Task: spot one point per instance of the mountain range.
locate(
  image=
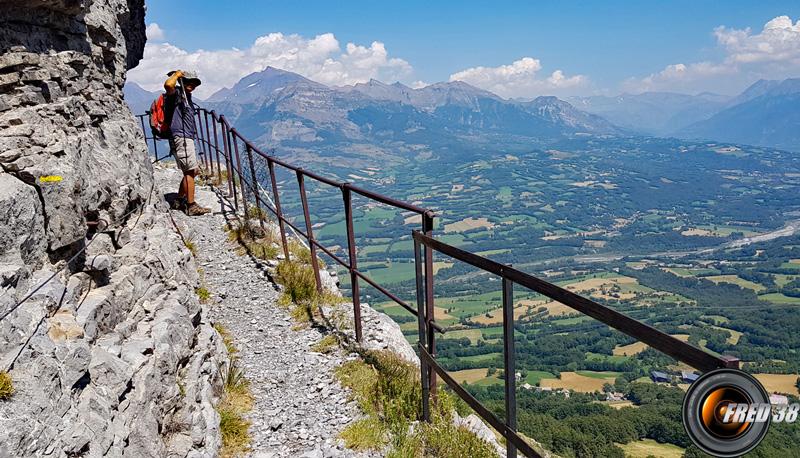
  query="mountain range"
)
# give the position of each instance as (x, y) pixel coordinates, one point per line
(281, 108)
(276, 106)
(138, 98)
(766, 114)
(652, 113)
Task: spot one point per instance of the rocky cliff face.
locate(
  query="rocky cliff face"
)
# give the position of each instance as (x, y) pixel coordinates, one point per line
(113, 356)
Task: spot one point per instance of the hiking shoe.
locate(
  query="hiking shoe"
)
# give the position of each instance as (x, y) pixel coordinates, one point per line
(179, 203)
(196, 210)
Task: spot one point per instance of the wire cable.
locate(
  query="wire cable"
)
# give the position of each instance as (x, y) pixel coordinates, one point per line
(69, 261)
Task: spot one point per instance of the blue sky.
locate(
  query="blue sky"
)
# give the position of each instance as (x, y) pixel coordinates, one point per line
(609, 46)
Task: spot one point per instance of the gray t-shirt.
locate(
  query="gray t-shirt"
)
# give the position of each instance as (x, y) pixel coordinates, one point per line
(183, 119)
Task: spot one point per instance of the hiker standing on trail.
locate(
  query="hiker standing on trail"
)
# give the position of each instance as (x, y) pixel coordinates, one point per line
(178, 105)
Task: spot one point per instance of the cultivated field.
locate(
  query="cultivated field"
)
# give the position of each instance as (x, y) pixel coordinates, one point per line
(735, 335)
(629, 350)
(650, 448)
(737, 281)
(496, 315)
(577, 382)
(472, 334)
(618, 404)
(439, 265)
(467, 224)
(779, 383)
(638, 347)
(469, 375)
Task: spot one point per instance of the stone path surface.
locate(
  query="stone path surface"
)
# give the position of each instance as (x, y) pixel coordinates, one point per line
(299, 407)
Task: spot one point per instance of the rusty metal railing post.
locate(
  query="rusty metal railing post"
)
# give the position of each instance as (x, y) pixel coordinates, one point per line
(422, 327)
(155, 142)
(255, 190)
(430, 316)
(208, 140)
(731, 362)
(306, 215)
(239, 170)
(353, 255)
(509, 362)
(278, 211)
(216, 146)
(198, 141)
(202, 138)
(227, 154)
(232, 173)
(144, 131)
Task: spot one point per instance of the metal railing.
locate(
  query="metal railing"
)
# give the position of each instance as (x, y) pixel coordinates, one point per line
(661, 341)
(218, 145)
(214, 130)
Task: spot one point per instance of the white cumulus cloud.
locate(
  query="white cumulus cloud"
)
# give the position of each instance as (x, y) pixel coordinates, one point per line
(520, 79)
(154, 32)
(778, 42)
(320, 58)
(772, 53)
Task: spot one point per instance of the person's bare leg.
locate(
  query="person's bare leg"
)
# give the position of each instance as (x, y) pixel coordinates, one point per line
(189, 177)
(182, 188)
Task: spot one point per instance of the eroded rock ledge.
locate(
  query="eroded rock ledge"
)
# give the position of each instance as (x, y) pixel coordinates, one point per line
(113, 357)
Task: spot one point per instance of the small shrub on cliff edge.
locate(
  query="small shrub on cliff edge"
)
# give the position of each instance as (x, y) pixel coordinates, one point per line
(188, 242)
(298, 281)
(203, 294)
(326, 344)
(252, 239)
(387, 389)
(6, 386)
(256, 213)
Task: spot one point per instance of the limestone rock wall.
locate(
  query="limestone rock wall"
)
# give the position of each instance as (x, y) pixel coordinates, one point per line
(113, 357)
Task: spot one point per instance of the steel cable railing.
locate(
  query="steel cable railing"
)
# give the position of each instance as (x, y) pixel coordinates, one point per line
(68, 262)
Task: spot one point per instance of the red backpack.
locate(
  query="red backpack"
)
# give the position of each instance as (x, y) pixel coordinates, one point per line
(158, 123)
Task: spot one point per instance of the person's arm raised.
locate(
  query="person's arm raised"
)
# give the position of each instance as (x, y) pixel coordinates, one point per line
(169, 84)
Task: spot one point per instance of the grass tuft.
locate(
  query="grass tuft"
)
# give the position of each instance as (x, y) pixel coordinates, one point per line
(227, 339)
(188, 242)
(387, 389)
(256, 213)
(203, 294)
(237, 388)
(298, 281)
(219, 178)
(234, 429)
(236, 400)
(6, 386)
(253, 239)
(326, 345)
(301, 254)
(365, 434)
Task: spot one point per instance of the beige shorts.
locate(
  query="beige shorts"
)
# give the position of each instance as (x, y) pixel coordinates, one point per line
(184, 152)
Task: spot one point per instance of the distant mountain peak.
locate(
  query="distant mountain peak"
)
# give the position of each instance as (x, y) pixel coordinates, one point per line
(291, 107)
(258, 86)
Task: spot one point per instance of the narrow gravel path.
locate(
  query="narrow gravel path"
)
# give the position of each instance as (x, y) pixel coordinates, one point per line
(299, 408)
